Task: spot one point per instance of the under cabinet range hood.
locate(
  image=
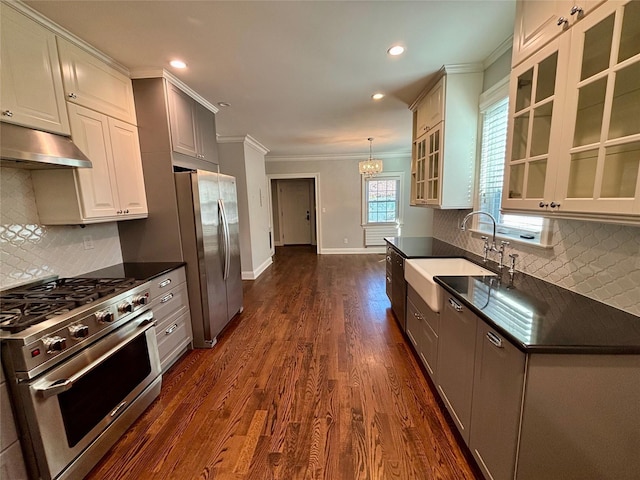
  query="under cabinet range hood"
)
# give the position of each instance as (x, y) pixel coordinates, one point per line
(23, 147)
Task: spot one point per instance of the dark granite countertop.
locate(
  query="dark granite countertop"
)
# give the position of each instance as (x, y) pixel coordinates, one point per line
(137, 270)
(536, 316)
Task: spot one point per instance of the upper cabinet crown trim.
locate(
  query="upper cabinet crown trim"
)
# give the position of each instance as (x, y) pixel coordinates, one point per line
(247, 140)
(444, 70)
(67, 35)
(171, 78)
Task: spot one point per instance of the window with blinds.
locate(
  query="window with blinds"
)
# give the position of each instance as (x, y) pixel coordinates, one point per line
(381, 200)
(495, 117)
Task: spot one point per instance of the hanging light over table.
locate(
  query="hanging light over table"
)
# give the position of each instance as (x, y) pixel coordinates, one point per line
(370, 167)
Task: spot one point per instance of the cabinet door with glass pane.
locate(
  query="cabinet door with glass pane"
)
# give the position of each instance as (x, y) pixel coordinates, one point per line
(601, 143)
(433, 165)
(535, 122)
(419, 172)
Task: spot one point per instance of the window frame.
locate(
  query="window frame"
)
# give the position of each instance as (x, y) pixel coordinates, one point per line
(479, 227)
(399, 177)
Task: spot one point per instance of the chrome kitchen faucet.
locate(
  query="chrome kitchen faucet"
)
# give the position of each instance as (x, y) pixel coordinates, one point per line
(487, 247)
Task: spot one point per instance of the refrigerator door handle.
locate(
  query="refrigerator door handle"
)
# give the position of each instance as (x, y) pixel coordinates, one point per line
(227, 244)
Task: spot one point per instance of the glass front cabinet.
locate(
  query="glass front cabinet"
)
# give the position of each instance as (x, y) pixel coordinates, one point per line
(574, 128)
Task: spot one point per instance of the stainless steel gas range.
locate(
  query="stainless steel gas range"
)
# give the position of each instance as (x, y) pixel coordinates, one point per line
(81, 360)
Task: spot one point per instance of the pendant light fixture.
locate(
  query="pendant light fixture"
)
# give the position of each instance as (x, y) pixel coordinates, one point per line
(370, 167)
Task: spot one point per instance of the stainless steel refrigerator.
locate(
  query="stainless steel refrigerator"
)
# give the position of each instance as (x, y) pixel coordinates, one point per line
(208, 210)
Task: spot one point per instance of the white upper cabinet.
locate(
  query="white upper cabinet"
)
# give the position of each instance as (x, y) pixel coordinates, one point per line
(599, 171)
(31, 83)
(540, 21)
(445, 127)
(535, 123)
(429, 111)
(90, 82)
(112, 190)
(574, 127)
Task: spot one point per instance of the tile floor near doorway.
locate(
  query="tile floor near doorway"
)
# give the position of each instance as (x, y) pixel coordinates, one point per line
(314, 380)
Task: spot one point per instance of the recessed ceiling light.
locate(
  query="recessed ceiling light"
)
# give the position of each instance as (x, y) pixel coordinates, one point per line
(377, 96)
(396, 50)
(177, 64)
(224, 104)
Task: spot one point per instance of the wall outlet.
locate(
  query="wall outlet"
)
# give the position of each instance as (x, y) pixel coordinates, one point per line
(88, 242)
(346, 240)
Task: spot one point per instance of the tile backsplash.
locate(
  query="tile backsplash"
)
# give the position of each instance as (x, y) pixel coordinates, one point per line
(600, 261)
(31, 250)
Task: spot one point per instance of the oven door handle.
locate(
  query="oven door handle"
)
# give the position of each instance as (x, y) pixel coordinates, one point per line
(49, 389)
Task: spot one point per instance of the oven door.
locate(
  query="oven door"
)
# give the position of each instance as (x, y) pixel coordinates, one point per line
(74, 403)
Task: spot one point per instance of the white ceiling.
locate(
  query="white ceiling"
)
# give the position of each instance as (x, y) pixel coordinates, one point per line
(299, 75)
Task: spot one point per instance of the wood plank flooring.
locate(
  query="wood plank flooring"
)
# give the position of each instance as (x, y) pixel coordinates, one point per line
(314, 380)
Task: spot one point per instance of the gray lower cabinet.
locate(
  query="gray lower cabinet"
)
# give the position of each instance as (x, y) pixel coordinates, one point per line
(532, 416)
(170, 305)
(497, 398)
(389, 273)
(398, 287)
(456, 359)
(422, 330)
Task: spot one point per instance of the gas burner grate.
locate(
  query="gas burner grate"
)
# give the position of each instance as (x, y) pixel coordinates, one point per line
(18, 316)
(25, 306)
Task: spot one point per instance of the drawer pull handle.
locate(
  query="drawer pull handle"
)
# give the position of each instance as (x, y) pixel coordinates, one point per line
(164, 283)
(418, 316)
(496, 340)
(171, 329)
(166, 298)
(456, 306)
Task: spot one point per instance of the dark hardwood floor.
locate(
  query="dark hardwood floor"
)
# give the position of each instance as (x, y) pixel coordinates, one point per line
(313, 380)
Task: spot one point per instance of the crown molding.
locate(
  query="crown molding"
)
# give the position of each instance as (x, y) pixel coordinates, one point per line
(66, 34)
(247, 140)
(450, 69)
(170, 77)
(338, 156)
(498, 52)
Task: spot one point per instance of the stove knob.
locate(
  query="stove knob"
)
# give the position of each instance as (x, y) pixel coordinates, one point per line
(78, 331)
(105, 316)
(125, 307)
(141, 300)
(54, 344)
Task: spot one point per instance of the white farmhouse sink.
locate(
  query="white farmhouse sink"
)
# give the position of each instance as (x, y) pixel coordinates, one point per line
(419, 273)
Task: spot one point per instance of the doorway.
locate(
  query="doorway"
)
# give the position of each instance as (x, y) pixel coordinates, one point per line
(294, 205)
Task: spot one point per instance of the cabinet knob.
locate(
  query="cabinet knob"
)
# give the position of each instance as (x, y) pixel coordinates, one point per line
(7, 113)
(554, 205)
(563, 22)
(576, 9)
(119, 212)
(543, 205)
(72, 95)
(126, 211)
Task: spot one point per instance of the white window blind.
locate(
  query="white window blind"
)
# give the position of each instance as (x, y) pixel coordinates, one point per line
(492, 155)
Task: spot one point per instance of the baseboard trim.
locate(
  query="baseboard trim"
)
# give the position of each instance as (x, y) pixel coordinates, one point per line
(352, 251)
(258, 271)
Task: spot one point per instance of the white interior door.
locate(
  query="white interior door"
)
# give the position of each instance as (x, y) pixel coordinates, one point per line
(295, 211)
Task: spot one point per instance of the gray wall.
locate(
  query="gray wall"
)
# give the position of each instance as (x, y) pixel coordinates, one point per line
(240, 159)
(340, 195)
